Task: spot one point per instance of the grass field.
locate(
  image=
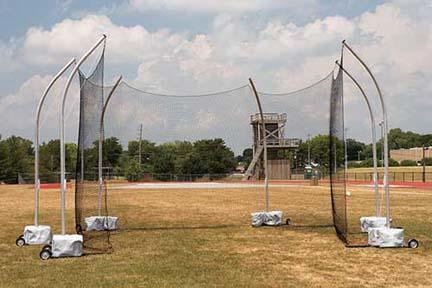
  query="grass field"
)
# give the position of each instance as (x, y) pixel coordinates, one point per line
(202, 238)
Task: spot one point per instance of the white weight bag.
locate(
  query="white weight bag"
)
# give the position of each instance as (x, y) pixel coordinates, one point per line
(386, 237)
(101, 223)
(67, 245)
(367, 223)
(270, 218)
(37, 235)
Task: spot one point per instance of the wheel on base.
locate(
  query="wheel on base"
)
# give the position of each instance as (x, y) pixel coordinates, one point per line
(47, 247)
(413, 243)
(20, 242)
(45, 254)
(288, 221)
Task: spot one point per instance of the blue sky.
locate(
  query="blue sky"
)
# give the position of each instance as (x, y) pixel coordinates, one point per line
(17, 16)
(179, 45)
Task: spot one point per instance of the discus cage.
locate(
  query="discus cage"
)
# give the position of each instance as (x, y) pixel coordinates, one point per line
(220, 156)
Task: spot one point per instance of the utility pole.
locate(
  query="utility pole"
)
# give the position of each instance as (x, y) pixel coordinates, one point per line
(309, 150)
(139, 148)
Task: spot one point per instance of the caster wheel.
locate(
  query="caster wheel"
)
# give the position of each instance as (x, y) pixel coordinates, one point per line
(413, 243)
(78, 229)
(47, 247)
(288, 221)
(45, 254)
(20, 242)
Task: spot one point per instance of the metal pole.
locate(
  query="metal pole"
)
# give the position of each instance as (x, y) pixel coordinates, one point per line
(101, 139)
(385, 119)
(424, 164)
(346, 150)
(139, 149)
(264, 144)
(382, 143)
(309, 152)
(62, 134)
(37, 136)
(374, 149)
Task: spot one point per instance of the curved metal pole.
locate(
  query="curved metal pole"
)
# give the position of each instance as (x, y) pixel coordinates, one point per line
(37, 136)
(101, 139)
(264, 145)
(385, 119)
(374, 151)
(62, 134)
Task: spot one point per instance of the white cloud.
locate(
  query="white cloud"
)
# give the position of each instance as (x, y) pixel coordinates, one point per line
(214, 6)
(394, 40)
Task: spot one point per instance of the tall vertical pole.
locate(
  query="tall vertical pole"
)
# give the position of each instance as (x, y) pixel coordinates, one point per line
(139, 149)
(374, 149)
(346, 150)
(267, 204)
(309, 150)
(424, 163)
(62, 135)
(101, 139)
(385, 119)
(37, 136)
(382, 143)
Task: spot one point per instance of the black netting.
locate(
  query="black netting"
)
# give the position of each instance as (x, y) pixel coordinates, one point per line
(175, 161)
(90, 193)
(337, 159)
(297, 132)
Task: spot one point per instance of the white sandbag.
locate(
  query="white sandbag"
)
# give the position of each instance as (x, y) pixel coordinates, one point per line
(367, 223)
(101, 223)
(271, 218)
(67, 245)
(386, 237)
(37, 235)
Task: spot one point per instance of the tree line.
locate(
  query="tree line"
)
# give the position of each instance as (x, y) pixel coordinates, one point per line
(208, 156)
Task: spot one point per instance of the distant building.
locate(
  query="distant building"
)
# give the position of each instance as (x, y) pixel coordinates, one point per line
(415, 154)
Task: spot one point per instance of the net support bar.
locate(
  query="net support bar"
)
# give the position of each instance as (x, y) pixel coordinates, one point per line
(62, 133)
(100, 148)
(373, 128)
(385, 120)
(267, 201)
(37, 136)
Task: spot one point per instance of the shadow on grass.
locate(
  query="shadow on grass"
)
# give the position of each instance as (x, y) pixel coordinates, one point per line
(203, 227)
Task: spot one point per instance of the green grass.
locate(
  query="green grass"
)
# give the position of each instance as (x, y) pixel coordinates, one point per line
(221, 256)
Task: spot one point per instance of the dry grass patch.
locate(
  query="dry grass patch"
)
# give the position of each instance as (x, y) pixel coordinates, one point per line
(202, 238)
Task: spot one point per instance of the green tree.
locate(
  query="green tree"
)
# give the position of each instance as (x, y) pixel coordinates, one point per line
(246, 157)
(216, 157)
(133, 171)
(353, 149)
(397, 139)
(164, 163)
(112, 150)
(427, 161)
(393, 162)
(148, 150)
(320, 151)
(408, 163)
(17, 157)
(71, 150)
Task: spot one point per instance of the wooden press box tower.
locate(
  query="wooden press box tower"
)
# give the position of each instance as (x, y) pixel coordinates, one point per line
(279, 167)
